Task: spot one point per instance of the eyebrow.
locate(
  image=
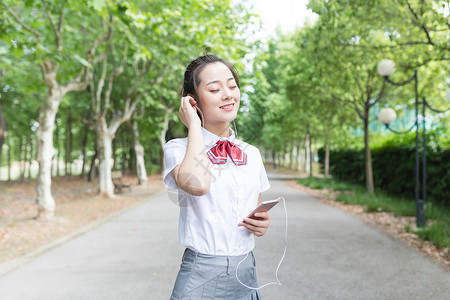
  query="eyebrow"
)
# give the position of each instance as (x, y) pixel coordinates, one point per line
(216, 81)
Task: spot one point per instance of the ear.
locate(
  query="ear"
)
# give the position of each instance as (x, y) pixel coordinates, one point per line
(190, 95)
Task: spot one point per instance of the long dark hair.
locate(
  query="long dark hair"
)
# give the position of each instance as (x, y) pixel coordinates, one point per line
(192, 79)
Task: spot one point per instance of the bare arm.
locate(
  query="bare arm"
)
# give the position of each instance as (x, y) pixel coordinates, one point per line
(193, 174)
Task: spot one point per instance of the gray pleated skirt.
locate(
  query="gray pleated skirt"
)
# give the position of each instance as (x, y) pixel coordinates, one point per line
(204, 277)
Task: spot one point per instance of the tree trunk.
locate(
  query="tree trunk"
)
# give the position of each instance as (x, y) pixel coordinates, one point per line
(132, 154)
(123, 158)
(29, 153)
(92, 170)
(368, 157)
(83, 149)
(44, 151)
(2, 133)
(139, 150)
(69, 145)
(293, 157)
(56, 157)
(308, 155)
(114, 151)
(66, 149)
(278, 156)
(21, 159)
(286, 156)
(299, 155)
(162, 137)
(265, 155)
(104, 144)
(327, 159)
(274, 161)
(9, 159)
(311, 159)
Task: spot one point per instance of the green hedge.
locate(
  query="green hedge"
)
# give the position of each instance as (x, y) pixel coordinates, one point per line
(394, 170)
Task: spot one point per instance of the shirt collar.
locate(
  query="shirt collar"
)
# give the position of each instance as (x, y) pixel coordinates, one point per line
(211, 139)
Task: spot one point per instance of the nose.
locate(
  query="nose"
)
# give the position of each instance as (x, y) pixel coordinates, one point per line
(227, 94)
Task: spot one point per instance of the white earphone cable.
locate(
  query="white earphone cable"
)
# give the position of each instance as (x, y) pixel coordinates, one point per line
(279, 264)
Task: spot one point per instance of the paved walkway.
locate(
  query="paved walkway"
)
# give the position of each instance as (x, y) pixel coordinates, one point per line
(331, 255)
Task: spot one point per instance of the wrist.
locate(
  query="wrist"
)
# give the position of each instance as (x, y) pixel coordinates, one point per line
(194, 125)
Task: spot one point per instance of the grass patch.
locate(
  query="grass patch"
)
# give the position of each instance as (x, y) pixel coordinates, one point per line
(327, 183)
(437, 232)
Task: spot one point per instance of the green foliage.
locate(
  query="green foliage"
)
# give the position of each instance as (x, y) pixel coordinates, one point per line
(348, 165)
(438, 233)
(394, 167)
(163, 35)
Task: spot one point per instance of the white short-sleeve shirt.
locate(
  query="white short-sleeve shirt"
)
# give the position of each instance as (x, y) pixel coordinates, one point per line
(209, 224)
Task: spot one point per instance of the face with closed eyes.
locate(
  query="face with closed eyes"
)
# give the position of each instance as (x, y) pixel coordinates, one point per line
(219, 95)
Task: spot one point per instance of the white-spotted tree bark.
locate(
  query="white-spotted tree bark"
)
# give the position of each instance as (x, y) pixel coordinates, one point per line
(139, 149)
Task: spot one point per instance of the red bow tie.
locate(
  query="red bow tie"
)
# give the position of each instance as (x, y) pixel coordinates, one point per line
(218, 153)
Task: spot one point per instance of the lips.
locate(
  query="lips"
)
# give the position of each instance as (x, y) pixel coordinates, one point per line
(227, 107)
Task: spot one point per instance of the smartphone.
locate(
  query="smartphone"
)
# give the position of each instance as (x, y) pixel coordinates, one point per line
(263, 206)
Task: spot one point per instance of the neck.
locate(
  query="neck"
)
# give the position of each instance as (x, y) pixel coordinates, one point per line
(222, 129)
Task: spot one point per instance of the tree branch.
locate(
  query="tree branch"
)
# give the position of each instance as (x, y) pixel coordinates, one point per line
(358, 82)
(92, 92)
(91, 52)
(56, 30)
(75, 85)
(16, 17)
(380, 94)
(61, 20)
(119, 70)
(128, 112)
(100, 57)
(80, 84)
(101, 83)
(144, 70)
(355, 105)
(49, 70)
(90, 124)
(421, 26)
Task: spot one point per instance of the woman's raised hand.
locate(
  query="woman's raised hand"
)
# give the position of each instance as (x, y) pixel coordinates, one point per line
(187, 112)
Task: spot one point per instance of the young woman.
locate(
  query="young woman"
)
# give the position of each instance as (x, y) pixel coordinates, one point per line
(219, 180)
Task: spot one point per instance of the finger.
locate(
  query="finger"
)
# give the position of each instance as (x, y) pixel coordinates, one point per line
(192, 101)
(256, 230)
(263, 215)
(253, 222)
(188, 102)
(260, 215)
(250, 226)
(181, 103)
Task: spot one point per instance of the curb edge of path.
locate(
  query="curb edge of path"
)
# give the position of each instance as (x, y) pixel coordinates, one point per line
(22, 260)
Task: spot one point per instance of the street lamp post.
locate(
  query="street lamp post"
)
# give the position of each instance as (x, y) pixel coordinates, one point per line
(388, 115)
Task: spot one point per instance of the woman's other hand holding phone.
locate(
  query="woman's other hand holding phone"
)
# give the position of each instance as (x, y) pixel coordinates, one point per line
(257, 227)
(188, 113)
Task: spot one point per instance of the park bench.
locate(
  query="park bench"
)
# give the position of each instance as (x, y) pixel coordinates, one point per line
(119, 185)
